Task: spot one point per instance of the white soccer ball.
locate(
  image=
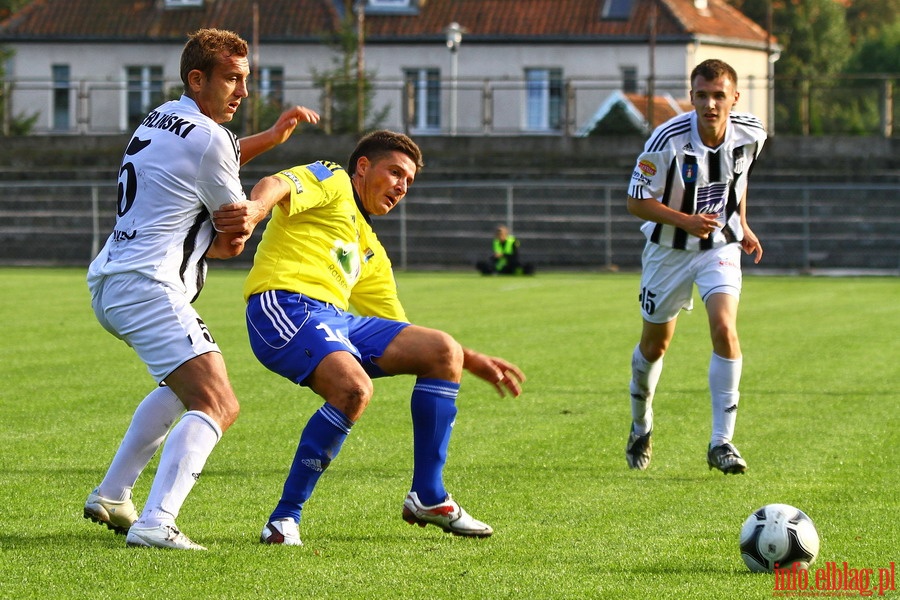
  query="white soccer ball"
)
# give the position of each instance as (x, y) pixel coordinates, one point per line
(777, 536)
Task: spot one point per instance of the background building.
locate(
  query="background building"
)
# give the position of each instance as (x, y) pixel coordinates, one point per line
(435, 66)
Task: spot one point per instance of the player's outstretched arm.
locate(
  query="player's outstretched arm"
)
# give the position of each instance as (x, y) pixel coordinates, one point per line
(239, 219)
(503, 375)
(254, 145)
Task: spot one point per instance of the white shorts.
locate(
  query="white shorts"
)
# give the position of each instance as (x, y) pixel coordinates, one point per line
(668, 277)
(157, 321)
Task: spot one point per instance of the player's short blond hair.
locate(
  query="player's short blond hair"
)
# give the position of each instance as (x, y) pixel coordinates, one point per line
(205, 48)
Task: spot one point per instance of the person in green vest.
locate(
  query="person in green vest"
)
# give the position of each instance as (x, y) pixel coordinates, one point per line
(505, 257)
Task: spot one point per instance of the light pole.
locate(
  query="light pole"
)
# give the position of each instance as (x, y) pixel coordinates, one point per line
(454, 38)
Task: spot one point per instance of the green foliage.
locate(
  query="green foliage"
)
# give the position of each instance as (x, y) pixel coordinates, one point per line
(18, 124)
(818, 425)
(878, 54)
(616, 122)
(342, 87)
(814, 38)
(7, 7)
(866, 19)
(821, 41)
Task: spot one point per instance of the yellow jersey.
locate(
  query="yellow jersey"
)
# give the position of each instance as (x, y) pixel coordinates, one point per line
(319, 243)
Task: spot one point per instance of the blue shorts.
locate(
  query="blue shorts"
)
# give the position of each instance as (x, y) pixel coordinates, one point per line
(291, 333)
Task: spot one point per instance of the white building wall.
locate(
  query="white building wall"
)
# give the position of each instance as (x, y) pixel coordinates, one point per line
(98, 77)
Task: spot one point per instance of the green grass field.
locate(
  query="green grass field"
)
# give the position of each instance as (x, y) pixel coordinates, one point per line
(818, 426)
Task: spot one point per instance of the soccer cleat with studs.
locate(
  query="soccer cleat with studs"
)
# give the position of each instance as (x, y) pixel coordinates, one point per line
(117, 515)
(726, 458)
(281, 531)
(448, 515)
(638, 450)
(161, 536)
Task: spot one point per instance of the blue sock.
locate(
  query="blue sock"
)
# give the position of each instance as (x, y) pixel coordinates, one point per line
(320, 443)
(433, 407)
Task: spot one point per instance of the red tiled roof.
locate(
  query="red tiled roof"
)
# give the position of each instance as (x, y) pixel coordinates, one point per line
(576, 19)
(484, 20)
(662, 108)
(143, 19)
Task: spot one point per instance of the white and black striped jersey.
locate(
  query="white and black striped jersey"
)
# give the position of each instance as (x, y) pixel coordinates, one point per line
(677, 169)
(179, 166)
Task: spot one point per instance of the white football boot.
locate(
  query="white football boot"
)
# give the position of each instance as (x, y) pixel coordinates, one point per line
(448, 515)
(281, 531)
(161, 536)
(117, 515)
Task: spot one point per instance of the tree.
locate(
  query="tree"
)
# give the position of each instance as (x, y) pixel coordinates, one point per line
(11, 124)
(823, 41)
(340, 85)
(814, 41)
(8, 7)
(877, 56)
(868, 19)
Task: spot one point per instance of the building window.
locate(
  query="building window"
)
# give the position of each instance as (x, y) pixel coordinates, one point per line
(144, 91)
(616, 10)
(62, 98)
(271, 84)
(543, 99)
(629, 80)
(425, 110)
(183, 3)
(391, 6)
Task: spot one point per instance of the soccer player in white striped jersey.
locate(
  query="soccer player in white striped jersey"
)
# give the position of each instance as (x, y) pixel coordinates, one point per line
(180, 168)
(690, 187)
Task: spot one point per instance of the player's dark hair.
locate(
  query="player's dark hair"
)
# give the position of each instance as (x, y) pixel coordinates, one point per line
(714, 69)
(205, 48)
(376, 144)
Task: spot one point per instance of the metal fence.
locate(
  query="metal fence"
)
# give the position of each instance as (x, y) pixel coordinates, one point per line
(570, 225)
(839, 105)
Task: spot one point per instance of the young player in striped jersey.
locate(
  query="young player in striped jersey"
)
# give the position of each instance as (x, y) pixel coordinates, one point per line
(690, 188)
(318, 257)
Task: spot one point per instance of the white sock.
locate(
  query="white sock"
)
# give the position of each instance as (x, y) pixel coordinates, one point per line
(644, 377)
(151, 422)
(724, 380)
(189, 445)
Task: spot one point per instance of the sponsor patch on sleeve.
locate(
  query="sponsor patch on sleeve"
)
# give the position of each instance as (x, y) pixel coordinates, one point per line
(320, 171)
(647, 168)
(298, 187)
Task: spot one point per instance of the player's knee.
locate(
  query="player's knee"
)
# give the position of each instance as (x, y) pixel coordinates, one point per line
(223, 408)
(725, 338)
(230, 414)
(447, 356)
(353, 398)
(653, 351)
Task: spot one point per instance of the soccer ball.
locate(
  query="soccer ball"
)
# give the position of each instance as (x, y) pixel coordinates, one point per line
(777, 536)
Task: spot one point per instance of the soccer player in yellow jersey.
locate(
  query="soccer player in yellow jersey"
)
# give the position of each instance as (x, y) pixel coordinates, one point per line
(318, 257)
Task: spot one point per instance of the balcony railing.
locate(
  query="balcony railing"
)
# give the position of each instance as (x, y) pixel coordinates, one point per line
(858, 105)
